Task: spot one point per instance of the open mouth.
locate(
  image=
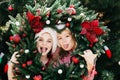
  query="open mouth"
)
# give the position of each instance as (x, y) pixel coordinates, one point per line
(65, 46)
(43, 49)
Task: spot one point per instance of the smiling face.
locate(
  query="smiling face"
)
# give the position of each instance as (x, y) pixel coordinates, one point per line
(66, 41)
(44, 43)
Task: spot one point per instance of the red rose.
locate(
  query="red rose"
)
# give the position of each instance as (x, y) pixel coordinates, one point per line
(91, 30)
(35, 22)
(36, 25)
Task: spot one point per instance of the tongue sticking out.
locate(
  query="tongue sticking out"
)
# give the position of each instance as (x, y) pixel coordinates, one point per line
(65, 46)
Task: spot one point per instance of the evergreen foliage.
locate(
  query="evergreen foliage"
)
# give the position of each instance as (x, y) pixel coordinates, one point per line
(22, 39)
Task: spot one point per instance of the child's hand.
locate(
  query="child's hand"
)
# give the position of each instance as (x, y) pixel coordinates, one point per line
(90, 59)
(89, 56)
(13, 58)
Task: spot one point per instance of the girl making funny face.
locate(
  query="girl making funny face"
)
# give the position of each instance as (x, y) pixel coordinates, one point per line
(46, 43)
(68, 43)
(66, 40)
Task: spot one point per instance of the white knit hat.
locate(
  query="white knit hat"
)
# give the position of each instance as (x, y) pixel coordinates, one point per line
(53, 33)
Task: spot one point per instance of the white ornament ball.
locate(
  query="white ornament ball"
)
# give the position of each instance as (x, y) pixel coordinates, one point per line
(17, 23)
(73, 72)
(27, 76)
(27, 51)
(81, 65)
(107, 74)
(69, 19)
(60, 71)
(48, 22)
(119, 63)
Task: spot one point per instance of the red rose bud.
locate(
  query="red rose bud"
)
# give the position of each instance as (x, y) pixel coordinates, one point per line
(29, 62)
(10, 8)
(75, 60)
(16, 38)
(108, 52)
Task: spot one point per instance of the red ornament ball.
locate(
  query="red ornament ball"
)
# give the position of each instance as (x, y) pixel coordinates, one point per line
(37, 77)
(29, 62)
(24, 65)
(16, 38)
(10, 38)
(75, 60)
(67, 24)
(10, 8)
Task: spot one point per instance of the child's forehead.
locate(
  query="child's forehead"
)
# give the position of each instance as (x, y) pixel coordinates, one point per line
(66, 31)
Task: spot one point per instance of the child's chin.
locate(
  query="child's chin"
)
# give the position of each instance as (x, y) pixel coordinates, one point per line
(44, 54)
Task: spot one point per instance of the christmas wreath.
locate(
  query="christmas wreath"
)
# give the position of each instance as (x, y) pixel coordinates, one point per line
(83, 23)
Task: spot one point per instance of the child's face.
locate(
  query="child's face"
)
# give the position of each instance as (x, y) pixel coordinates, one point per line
(44, 43)
(66, 40)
